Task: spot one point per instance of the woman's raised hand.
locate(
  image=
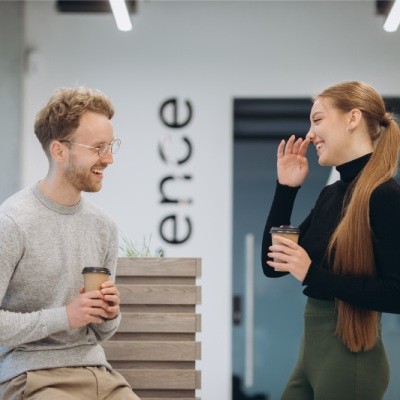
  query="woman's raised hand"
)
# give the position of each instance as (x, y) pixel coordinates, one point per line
(292, 161)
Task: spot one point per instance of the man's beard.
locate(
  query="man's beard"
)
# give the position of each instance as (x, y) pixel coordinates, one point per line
(81, 178)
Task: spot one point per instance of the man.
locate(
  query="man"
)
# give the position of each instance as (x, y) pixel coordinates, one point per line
(50, 328)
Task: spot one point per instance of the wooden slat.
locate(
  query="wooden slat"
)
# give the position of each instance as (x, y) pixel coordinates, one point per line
(198, 323)
(198, 294)
(160, 322)
(155, 365)
(156, 280)
(159, 294)
(168, 379)
(155, 347)
(151, 351)
(160, 308)
(159, 266)
(154, 336)
(171, 398)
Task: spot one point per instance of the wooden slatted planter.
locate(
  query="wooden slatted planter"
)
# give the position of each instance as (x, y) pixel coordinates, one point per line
(155, 347)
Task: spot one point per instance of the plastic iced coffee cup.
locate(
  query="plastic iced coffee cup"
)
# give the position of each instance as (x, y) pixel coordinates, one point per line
(93, 277)
(286, 231)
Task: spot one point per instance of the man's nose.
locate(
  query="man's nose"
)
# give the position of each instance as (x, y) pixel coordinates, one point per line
(108, 158)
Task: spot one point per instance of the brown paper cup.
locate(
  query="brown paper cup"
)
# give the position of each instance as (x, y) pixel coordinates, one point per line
(93, 277)
(288, 232)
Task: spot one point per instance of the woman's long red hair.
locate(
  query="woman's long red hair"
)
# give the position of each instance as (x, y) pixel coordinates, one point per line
(351, 246)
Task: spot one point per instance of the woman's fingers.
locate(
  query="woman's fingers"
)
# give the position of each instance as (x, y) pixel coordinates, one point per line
(282, 257)
(293, 146)
(297, 145)
(283, 250)
(278, 266)
(289, 145)
(304, 147)
(277, 248)
(281, 148)
(290, 257)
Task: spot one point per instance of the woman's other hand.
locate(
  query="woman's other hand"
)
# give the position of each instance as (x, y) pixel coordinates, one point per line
(294, 258)
(292, 162)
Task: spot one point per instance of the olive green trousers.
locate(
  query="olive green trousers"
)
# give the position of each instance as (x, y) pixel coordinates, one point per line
(327, 370)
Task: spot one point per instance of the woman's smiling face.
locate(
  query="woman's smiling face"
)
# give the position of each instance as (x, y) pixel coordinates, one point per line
(329, 133)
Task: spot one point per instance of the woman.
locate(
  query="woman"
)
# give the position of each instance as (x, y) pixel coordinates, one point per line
(348, 256)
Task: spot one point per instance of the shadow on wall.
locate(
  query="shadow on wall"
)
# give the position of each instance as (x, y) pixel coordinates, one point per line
(238, 394)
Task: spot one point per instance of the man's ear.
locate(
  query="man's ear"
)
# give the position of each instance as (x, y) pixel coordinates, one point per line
(354, 118)
(57, 152)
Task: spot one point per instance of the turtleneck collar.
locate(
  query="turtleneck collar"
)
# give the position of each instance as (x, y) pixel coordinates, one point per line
(51, 205)
(350, 170)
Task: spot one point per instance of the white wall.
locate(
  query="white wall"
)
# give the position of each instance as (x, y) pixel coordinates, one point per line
(11, 61)
(208, 53)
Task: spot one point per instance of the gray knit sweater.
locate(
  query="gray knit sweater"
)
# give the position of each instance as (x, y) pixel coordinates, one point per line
(43, 248)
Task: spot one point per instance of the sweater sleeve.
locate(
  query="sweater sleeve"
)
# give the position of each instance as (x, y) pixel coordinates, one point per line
(20, 328)
(280, 214)
(383, 292)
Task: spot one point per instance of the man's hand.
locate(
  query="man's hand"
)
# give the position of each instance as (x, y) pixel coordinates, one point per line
(112, 297)
(87, 308)
(95, 306)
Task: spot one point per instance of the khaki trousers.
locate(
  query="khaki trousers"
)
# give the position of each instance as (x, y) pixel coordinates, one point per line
(76, 383)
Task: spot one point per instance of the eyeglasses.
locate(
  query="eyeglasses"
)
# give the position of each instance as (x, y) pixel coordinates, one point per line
(101, 150)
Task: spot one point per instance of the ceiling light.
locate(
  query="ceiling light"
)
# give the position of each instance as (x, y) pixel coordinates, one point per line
(121, 15)
(393, 19)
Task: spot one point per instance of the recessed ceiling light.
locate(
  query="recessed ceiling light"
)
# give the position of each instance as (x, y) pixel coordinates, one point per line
(393, 19)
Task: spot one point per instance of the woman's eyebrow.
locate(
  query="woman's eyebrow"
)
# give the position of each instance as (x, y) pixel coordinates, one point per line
(314, 114)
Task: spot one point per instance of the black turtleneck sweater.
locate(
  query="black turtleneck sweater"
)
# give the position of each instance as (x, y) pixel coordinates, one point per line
(381, 293)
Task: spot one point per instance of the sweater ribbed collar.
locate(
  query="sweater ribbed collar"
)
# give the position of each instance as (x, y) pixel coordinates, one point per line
(51, 205)
(350, 170)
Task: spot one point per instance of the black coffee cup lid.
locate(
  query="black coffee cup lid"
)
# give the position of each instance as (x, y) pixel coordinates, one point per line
(284, 229)
(97, 270)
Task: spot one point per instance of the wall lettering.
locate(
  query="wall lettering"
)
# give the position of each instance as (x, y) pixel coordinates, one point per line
(175, 228)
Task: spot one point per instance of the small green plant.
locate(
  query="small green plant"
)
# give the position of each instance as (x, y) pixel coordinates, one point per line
(130, 249)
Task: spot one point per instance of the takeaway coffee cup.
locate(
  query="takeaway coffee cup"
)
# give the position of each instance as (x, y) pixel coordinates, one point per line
(93, 277)
(287, 231)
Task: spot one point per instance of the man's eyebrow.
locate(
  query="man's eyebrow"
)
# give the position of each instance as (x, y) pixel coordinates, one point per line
(100, 142)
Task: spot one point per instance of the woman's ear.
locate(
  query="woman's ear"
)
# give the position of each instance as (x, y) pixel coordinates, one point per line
(354, 118)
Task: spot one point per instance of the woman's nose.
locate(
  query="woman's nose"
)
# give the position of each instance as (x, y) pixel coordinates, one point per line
(310, 135)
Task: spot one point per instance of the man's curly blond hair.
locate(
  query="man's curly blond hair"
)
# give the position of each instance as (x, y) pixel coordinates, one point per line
(60, 117)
